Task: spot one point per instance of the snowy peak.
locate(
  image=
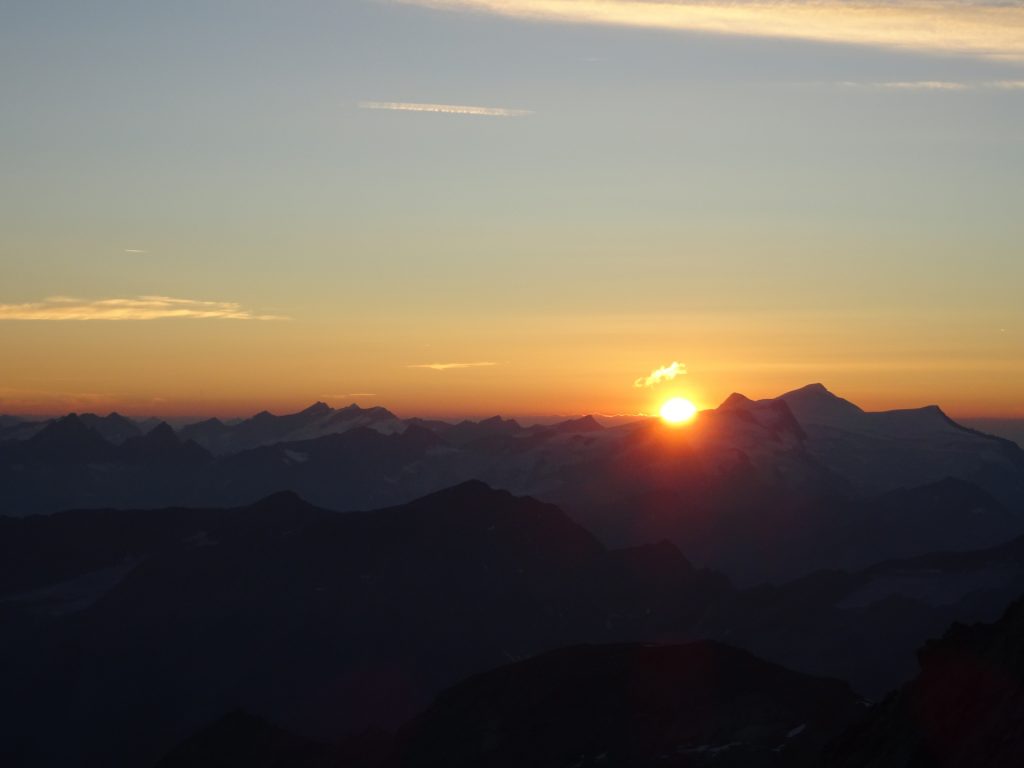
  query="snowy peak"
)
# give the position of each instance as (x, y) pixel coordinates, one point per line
(736, 401)
(814, 404)
(773, 415)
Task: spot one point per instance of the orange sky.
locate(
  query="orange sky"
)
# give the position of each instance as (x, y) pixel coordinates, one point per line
(545, 364)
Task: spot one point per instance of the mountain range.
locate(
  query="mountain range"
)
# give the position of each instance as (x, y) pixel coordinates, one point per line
(126, 631)
(766, 490)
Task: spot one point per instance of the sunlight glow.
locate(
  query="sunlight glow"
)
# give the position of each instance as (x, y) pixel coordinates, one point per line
(678, 410)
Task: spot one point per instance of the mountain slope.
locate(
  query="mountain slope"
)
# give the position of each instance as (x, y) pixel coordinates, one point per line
(318, 420)
(865, 626)
(964, 709)
(630, 705)
(701, 704)
(891, 449)
(317, 621)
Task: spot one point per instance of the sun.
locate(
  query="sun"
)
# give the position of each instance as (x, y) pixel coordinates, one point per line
(678, 410)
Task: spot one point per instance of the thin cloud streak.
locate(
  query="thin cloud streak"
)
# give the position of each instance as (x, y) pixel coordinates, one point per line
(984, 29)
(137, 308)
(446, 109)
(922, 85)
(939, 85)
(450, 366)
(659, 375)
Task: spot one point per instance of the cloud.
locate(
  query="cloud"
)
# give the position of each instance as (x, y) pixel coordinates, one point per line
(135, 250)
(667, 373)
(939, 85)
(449, 366)
(447, 109)
(916, 85)
(989, 29)
(138, 308)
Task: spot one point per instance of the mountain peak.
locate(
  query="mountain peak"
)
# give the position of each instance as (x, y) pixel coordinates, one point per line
(70, 425)
(814, 404)
(817, 389)
(67, 438)
(735, 401)
(161, 433)
(583, 424)
(316, 409)
(469, 488)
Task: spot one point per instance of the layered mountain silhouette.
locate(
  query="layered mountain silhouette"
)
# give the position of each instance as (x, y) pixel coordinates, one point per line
(265, 428)
(126, 631)
(145, 625)
(765, 490)
(865, 626)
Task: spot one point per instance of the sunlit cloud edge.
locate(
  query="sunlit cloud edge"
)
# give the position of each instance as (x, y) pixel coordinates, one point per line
(660, 375)
(993, 31)
(64, 308)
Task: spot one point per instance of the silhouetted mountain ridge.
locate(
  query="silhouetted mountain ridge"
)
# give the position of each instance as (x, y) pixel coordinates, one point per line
(759, 489)
(964, 709)
(313, 619)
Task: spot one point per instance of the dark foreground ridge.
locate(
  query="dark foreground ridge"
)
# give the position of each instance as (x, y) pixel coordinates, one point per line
(122, 632)
(701, 704)
(965, 708)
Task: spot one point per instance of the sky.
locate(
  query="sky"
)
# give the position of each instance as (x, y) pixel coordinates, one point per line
(469, 207)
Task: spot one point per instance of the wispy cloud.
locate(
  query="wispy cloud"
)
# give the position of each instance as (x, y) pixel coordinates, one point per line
(938, 85)
(137, 308)
(446, 109)
(984, 28)
(659, 375)
(915, 85)
(450, 366)
(135, 250)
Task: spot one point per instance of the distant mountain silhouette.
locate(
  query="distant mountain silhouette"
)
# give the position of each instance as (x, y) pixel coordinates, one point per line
(114, 428)
(765, 490)
(265, 428)
(68, 464)
(68, 441)
(865, 626)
